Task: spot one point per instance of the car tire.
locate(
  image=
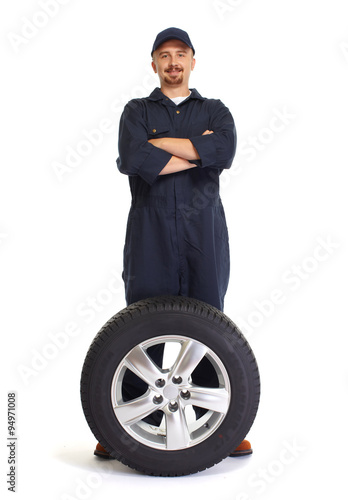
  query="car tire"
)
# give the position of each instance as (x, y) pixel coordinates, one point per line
(170, 386)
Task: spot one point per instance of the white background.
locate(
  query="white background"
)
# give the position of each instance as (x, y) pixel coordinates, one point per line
(61, 238)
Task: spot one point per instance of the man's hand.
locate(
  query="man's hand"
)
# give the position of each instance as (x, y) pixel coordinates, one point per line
(208, 132)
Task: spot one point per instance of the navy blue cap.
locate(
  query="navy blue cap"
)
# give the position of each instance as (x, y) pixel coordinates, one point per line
(172, 34)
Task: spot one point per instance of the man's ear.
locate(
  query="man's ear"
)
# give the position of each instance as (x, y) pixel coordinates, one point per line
(154, 66)
(193, 64)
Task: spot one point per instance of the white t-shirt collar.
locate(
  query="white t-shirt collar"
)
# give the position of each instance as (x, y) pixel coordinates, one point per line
(178, 100)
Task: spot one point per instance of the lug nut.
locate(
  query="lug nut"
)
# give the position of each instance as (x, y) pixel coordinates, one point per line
(185, 394)
(157, 399)
(177, 380)
(173, 406)
(160, 382)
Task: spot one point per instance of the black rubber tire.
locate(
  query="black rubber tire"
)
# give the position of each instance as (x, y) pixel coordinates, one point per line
(151, 318)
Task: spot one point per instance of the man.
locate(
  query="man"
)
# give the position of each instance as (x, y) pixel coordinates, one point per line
(173, 145)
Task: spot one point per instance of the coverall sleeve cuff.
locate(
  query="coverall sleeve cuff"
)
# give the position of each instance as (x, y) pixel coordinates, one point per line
(154, 163)
(206, 148)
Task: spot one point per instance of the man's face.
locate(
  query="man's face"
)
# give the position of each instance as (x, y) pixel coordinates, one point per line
(173, 61)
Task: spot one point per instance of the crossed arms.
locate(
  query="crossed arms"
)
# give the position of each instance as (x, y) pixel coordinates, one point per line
(182, 151)
(150, 158)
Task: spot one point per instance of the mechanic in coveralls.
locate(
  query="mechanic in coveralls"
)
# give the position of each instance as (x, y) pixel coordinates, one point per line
(173, 145)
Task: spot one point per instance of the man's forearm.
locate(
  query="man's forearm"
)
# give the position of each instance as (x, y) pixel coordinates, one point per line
(176, 164)
(183, 148)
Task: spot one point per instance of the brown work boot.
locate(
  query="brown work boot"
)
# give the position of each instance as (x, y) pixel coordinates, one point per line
(242, 450)
(102, 453)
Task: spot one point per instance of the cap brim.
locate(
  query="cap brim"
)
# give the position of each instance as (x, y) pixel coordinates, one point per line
(173, 38)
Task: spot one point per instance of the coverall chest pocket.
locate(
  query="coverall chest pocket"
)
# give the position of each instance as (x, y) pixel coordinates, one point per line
(158, 130)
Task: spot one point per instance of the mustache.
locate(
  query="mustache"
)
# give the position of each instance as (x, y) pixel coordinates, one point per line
(173, 67)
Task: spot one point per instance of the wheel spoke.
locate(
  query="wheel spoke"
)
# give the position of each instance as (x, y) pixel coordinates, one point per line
(142, 365)
(210, 399)
(131, 412)
(190, 355)
(178, 435)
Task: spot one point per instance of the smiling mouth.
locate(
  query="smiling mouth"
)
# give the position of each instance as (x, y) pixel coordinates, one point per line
(174, 71)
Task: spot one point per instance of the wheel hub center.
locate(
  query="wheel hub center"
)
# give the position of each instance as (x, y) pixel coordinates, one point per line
(170, 391)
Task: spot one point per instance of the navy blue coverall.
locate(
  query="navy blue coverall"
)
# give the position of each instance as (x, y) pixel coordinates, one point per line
(176, 238)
